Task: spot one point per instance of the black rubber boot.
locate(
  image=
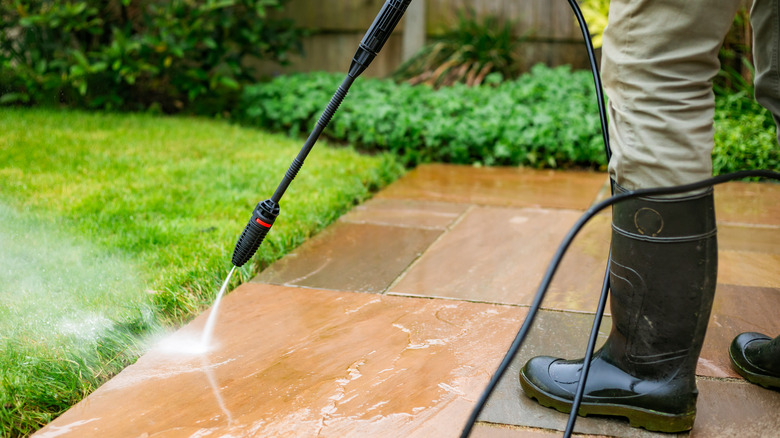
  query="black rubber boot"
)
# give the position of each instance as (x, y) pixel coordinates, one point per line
(663, 274)
(756, 357)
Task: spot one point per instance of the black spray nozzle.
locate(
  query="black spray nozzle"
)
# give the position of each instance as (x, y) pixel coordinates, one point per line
(262, 220)
(377, 35)
(266, 212)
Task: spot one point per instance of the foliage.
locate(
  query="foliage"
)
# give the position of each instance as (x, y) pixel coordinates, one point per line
(745, 136)
(547, 118)
(162, 200)
(596, 14)
(474, 49)
(136, 54)
(736, 55)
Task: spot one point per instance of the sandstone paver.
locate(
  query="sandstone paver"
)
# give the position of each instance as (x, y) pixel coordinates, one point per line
(390, 322)
(305, 362)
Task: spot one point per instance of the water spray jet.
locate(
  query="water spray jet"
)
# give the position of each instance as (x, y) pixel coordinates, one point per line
(208, 330)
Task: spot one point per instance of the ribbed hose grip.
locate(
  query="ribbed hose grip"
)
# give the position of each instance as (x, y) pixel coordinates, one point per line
(292, 171)
(260, 223)
(332, 107)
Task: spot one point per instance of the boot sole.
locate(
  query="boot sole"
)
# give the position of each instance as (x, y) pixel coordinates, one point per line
(767, 382)
(651, 420)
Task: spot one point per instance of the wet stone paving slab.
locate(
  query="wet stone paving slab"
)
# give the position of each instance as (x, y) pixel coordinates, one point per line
(390, 322)
(350, 256)
(500, 255)
(498, 186)
(305, 362)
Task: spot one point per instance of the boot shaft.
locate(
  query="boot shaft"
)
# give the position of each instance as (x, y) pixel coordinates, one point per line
(663, 275)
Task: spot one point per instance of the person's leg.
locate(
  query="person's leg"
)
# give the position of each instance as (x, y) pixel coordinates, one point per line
(659, 58)
(765, 20)
(756, 356)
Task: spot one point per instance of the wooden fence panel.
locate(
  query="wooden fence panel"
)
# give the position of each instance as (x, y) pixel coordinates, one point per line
(338, 25)
(329, 16)
(539, 19)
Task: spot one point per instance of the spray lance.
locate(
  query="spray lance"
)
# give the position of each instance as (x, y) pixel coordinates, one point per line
(266, 212)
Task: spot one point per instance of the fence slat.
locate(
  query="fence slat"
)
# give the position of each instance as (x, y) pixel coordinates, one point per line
(336, 24)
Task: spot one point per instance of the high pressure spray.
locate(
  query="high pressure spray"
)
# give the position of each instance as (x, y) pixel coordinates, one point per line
(266, 212)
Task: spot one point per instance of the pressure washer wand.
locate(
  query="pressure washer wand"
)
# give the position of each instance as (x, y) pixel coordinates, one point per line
(266, 212)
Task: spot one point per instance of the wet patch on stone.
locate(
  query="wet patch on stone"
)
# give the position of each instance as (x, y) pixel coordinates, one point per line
(748, 203)
(351, 257)
(303, 362)
(406, 213)
(737, 309)
(500, 255)
(499, 186)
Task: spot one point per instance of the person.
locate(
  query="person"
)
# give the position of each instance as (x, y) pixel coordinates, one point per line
(659, 59)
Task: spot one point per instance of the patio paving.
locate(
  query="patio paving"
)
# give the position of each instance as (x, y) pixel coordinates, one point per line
(391, 321)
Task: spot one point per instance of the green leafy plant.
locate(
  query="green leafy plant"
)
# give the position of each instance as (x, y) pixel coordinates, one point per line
(546, 118)
(596, 14)
(137, 54)
(745, 136)
(474, 49)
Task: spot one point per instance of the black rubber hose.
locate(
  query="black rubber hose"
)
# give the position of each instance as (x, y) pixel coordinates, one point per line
(608, 151)
(594, 333)
(594, 68)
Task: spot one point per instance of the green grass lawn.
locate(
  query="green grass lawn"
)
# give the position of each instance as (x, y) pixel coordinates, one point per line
(114, 227)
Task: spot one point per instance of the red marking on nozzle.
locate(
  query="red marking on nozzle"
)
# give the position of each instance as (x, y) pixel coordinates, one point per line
(262, 223)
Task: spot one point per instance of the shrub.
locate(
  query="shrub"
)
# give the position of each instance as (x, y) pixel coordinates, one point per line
(136, 54)
(745, 136)
(547, 118)
(466, 54)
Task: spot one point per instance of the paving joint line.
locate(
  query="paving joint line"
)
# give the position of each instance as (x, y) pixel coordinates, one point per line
(417, 259)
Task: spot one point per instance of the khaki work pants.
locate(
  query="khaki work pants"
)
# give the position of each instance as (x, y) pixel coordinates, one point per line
(659, 59)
